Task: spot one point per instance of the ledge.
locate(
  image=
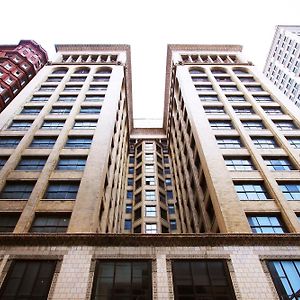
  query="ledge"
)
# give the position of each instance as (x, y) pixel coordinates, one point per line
(153, 240)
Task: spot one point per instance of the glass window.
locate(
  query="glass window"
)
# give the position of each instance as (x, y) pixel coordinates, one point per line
(223, 125)
(294, 141)
(28, 279)
(43, 142)
(266, 224)
(127, 224)
(17, 190)
(209, 98)
(72, 88)
(94, 98)
(77, 78)
(150, 195)
(151, 228)
(235, 98)
(286, 277)
(204, 88)
(231, 88)
(251, 191)
(149, 157)
(149, 168)
(90, 110)
(94, 87)
(60, 110)
(85, 125)
(171, 208)
(62, 190)
(264, 142)
(201, 279)
(273, 111)
(3, 160)
(31, 110)
(20, 124)
(168, 181)
(285, 125)
(122, 280)
(79, 142)
(130, 181)
(50, 223)
(173, 224)
(53, 125)
(229, 143)
(214, 110)
(255, 88)
(263, 98)
(278, 163)
(128, 208)
(39, 98)
(129, 194)
(30, 163)
(71, 163)
(8, 221)
(9, 141)
(253, 125)
(150, 211)
(243, 110)
(291, 191)
(149, 180)
(239, 164)
(67, 98)
(48, 88)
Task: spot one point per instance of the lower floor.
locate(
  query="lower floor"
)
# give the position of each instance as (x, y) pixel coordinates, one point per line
(156, 272)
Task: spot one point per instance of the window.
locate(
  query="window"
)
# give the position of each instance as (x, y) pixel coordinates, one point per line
(94, 98)
(28, 279)
(150, 180)
(17, 190)
(62, 190)
(9, 141)
(168, 181)
(47, 88)
(60, 110)
(90, 110)
(127, 224)
(229, 143)
(122, 280)
(150, 195)
(85, 125)
(256, 88)
(130, 181)
(149, 168)
(60, 71)
(151, 228)
(223, 125)
(233, 98)
(291, 191)
(130, 195)
(263, 98)
(77, 78)
(253, 125)
(204, 88)
(173, 224)
(254, 191)
(285, 125)
(208, 98)
(31, 110)
(43, 142)
(201, 279)
(150, 211)
(50, 223)
(246, 79)
(170, 195)
(3, 160)
(149, 157)
(53, 125)
(67, 98)
(30, 163)
(72, 88)
(266, 224)
(94, 87)
(102, 78)
(243, 110)
(8, 221)
(214, 110)
(264, 142)
(286, 277)
(71, 163)
(128, 209)
(20, 124)
(278, 163)
(273, 111)
(294, 141)
(239, 164)
(171, 208)
(231, 88)
(79, 142)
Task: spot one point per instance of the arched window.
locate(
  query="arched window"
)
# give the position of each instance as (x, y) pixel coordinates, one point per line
(60, 71)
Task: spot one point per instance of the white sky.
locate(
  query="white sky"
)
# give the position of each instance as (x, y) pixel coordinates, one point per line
(148, 26)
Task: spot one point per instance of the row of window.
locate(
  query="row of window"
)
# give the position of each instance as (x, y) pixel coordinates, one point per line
(73, 87)
(82, 70)
(60, 110)
(68, 98)
(233, 98)
(132, 279)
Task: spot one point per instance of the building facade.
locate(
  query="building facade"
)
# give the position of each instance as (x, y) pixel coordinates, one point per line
(204, 208)
(283, 63)
(18, 65)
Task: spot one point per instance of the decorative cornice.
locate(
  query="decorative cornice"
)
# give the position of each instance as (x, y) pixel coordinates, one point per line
(153, 240)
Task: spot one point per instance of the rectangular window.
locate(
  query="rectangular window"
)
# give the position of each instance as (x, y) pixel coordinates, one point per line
(130, 181)
(9, 141)
(79, 142)
(171, 208)
(221, 125)
(71, 163)
(233, 98)
(291, 191)
(40, 98)
(77, 79)
(90, 110)
(201, 279)
(50, 223)
(67, 98)
(30, 163)
(239, 164)
(130, 195)
(251, 191)
(230, 88)
(60, 110)
(62, 190)
(149, 180)
(229, 143)
(3, 160)
(53, 125)
(150, 195)
(168, 181)
(150, 211)
(85, 125)
(278, 163)
(208, 98)
(31, 110)
(47, 88)
(286, 277)
(94, 98)
(264, 142)
(253, 125)
(128, 209)
(285, 125)
(204, 88)
(28, 279)
(149, 157)
(173, 224)
(273, 111)
(263, 99)
(8, 221)
(214, 110)
(243, 110)
(72, 88)
(43, 142)
(122, 280)
(294, 142)
(255, 88)
(149, 168)
(94, 87)
(20, 124)
(151, 228)
(127, 224)
(266, 224)
(17, 190)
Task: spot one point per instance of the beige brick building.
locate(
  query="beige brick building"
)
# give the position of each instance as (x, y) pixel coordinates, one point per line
(204, 208)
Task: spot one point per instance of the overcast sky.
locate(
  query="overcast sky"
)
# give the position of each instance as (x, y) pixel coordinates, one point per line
(148, 26)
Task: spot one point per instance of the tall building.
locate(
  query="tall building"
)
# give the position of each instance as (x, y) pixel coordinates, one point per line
(283, 62)
(204, 208)
(18, 65)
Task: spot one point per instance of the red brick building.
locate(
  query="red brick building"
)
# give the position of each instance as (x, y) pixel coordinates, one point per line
(18, 65)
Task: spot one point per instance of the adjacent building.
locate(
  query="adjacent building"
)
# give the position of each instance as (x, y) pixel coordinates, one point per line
(206, 207)
(283, 62)
(18, 65)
